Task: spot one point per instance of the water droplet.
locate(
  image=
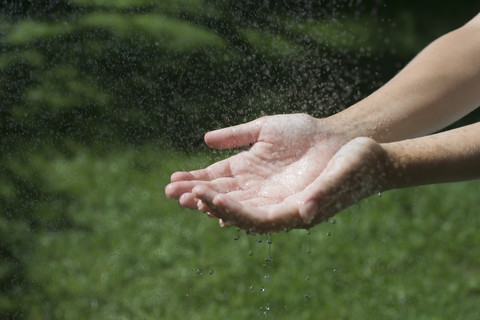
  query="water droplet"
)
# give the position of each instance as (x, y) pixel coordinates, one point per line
(269, 259)
(308, 232)
(268, 277)
(199, 271)
(380, 194)
(236, 237)
(251, 287)
(250, 253)
(269, 241)
(333, 221)
(328, 234)
(307, 278)
(267, 307)
(307, 295)
(260, 240)
(262, 289)
(334, 270)
(211, 272)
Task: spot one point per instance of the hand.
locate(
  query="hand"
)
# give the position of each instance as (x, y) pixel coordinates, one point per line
(265, 188)
(361, 168)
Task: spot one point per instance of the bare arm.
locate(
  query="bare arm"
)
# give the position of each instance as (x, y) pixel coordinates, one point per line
(444, 157)
(364, 167)
(300, 170)
(439, 86)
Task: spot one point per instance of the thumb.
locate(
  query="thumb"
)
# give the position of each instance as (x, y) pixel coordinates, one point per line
(325, 196)
(351, 175)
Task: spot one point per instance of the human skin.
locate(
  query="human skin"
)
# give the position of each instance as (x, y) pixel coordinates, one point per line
(300, 170)
(363, 167)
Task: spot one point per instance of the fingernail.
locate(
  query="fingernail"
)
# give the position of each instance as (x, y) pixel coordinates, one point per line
(200, 205)
(308, 211)
(211, 215)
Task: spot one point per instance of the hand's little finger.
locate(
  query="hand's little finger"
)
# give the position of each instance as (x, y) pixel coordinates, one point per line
(187, 200)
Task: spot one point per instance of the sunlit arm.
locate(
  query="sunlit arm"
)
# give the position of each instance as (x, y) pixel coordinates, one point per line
(364, 167)
(445, 157)
(439, 86)
(298, 170)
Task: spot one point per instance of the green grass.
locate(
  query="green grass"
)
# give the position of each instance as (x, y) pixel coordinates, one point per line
(133, 254)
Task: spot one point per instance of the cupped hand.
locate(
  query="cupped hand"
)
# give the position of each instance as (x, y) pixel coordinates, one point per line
(274, 184)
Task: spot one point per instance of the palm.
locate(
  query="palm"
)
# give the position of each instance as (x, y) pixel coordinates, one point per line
(265, 183)
(280, 164)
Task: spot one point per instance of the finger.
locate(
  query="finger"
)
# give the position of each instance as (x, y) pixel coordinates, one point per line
(181, 176)
(187, 200)
(202, 206)
(236, 136)
(222, 185)
(253, 219)
(231, 212)
(217, 170)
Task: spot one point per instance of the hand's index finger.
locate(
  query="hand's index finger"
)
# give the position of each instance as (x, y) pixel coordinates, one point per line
(236, 136)
(220, 169)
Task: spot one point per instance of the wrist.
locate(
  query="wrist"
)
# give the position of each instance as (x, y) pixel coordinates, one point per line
(361, 120)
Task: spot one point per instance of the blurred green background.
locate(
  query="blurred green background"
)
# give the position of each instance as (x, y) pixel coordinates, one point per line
(100, 101)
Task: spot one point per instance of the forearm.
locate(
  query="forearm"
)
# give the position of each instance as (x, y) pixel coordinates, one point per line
(438, 87)
(444, 157)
